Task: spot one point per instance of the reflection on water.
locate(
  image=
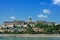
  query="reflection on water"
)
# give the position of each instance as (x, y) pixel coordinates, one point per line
(29, 38)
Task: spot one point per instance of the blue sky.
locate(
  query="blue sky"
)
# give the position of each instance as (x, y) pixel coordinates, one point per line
(48, 10)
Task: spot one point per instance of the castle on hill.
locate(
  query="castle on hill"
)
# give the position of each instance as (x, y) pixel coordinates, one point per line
(23, 25)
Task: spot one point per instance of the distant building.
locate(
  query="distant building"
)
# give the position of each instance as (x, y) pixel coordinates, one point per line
(22, 23)
(8, 24)
(29, 19)
(38, 29)
(11, 24)
(41, 22)
(50, 23)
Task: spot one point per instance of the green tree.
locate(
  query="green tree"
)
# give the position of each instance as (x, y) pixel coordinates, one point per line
(49, 30)
(38, 25)
(29, 25)
(30, 31)
(57, 27)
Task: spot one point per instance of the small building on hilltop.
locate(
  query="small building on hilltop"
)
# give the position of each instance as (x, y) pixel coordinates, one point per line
(51, 23)
(41, 22)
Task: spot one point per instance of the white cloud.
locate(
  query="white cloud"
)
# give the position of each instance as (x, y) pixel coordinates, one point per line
(56, 2)
(46, 11)
(12, 17)
(42, 16)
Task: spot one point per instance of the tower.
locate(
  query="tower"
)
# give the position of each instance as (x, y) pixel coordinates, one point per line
(29, 19)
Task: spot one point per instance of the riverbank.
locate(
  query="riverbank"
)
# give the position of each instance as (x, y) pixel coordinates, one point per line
(29, 35)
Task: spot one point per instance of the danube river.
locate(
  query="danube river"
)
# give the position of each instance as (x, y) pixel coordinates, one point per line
(29, 38)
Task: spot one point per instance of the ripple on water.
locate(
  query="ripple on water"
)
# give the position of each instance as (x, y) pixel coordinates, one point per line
(29, 38)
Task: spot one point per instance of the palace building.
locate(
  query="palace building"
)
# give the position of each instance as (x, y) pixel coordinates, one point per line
(22, 23)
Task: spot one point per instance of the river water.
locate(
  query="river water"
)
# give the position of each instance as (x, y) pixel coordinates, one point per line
(29, 38)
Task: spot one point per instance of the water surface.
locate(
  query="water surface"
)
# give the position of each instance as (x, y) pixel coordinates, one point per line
(29, 38)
